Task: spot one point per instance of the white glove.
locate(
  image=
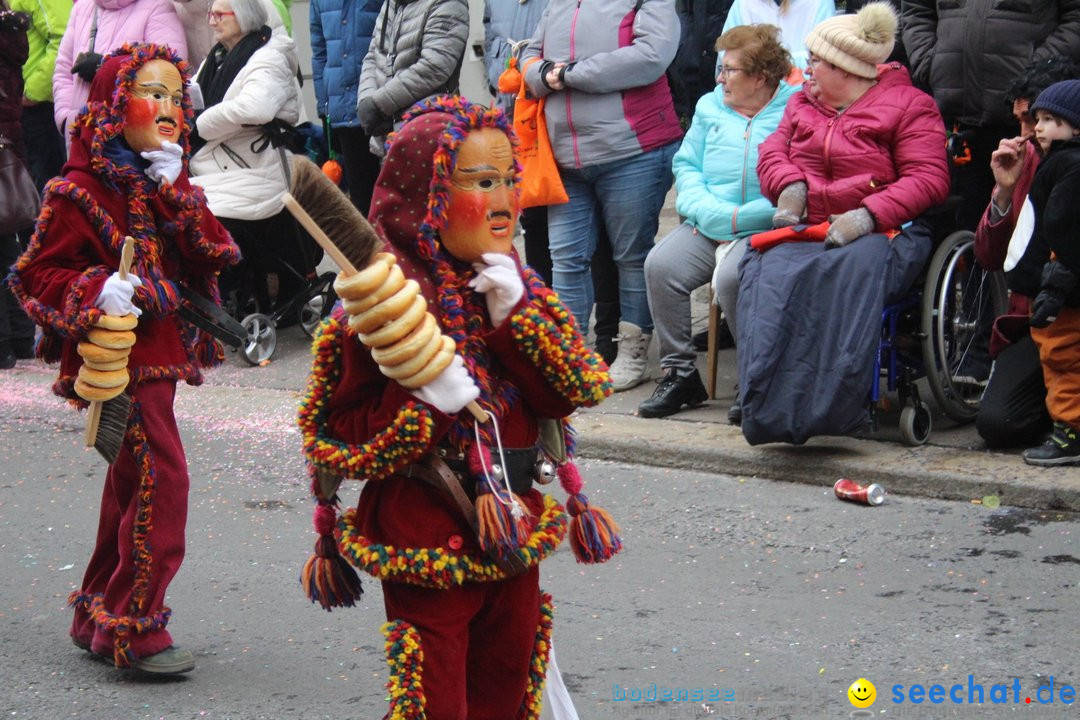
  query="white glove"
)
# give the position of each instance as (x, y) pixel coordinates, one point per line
(165, 164)
(452, 390)
(498, 278)
(115, 295)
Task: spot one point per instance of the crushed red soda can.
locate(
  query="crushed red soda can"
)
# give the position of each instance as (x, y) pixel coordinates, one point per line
(872, 494)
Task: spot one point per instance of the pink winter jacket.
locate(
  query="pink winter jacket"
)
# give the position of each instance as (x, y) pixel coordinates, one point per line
(886, 152)
(118, 22)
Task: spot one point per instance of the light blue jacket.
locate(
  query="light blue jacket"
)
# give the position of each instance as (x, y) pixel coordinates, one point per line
(716, 167)
(341, 32)
(507, 22)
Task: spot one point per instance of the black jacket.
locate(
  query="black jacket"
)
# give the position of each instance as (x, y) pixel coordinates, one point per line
(693, 71)
(968, 52)
(1054, 192)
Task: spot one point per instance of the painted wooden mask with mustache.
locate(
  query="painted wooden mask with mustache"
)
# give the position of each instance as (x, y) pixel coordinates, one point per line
(154, 112)
(483, 207)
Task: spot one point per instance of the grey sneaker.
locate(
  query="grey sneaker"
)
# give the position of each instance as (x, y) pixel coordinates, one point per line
(631, 365)
(170, 661)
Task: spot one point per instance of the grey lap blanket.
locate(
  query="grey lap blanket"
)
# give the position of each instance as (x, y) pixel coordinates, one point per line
(809, 326)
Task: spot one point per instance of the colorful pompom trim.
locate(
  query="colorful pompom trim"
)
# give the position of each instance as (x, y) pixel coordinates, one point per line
(534, 688)
(405, 656)
(442, 567)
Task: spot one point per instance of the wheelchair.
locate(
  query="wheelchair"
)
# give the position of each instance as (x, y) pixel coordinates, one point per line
(938, 331)
(247, 300)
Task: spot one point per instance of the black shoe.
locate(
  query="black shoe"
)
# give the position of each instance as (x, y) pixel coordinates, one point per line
(7, 360)
(607, 348)
(672, 393)
(1063, 448)
(734, 413)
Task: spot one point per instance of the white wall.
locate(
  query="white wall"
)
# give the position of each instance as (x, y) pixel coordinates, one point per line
(473, 77)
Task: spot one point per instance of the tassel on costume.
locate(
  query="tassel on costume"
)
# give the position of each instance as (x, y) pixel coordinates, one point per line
(503, 524)
(327, 578)
(594, 535)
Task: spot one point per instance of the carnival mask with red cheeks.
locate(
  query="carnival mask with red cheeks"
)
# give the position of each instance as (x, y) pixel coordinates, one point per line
(154, 113)
(483, 206)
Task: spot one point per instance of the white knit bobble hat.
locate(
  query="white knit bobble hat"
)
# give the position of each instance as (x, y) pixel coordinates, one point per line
(856, 43)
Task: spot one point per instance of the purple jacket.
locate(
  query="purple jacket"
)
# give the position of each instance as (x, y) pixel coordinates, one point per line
(118, 22)
(886, 152)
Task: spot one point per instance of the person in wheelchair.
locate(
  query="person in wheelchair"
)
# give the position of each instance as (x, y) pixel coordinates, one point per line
(861, 149)
(249, 91)
(1012, 410)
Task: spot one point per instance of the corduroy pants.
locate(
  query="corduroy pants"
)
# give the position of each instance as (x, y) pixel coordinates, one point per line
(144, 504)
(477, 640)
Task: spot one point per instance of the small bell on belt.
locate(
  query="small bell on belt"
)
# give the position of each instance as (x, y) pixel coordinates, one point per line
(545, 471)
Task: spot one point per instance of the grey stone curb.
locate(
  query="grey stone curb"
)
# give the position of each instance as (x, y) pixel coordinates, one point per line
(929, 471)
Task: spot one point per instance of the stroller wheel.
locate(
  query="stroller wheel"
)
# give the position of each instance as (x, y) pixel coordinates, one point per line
(261, 338)
(318, 304)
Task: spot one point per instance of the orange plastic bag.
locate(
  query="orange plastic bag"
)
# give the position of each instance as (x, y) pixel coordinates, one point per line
(540, 181)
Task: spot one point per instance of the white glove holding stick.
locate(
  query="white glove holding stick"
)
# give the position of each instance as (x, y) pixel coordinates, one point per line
(165, 164)
(451, 390)
(498, 278)
(116, 293)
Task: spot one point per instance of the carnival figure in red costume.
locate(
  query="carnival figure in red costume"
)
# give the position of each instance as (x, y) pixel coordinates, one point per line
(449, 519)
(127, 176)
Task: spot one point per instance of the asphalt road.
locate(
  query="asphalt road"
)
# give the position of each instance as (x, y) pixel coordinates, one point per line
(771, 598)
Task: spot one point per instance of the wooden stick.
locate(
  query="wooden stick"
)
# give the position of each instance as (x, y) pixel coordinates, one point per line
(93, 413)
(347, 267)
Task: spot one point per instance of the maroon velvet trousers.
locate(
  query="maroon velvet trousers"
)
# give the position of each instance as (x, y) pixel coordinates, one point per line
(477, 641)
(113, 572)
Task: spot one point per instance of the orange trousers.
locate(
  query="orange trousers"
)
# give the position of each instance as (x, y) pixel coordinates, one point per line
(1059, 351)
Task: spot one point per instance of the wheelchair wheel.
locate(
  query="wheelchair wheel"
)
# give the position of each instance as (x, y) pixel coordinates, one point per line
(261, 338)
(960, 301)
(915, 424)
(318, 304)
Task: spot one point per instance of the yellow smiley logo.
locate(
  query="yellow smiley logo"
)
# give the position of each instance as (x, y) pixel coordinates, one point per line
(862, 693)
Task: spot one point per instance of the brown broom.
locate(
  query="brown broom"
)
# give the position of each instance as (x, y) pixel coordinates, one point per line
(106, 422)
(350, 241)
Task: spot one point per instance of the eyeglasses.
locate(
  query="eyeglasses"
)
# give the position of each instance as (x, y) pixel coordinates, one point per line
(725, 71)
(213, 16)
(812, 62)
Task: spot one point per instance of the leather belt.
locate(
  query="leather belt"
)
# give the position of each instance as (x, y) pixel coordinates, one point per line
(520, 467)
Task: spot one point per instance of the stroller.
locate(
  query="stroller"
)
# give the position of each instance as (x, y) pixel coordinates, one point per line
(277, 284)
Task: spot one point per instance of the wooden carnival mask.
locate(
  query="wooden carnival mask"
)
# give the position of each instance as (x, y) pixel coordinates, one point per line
(154, 113)
(483, 206)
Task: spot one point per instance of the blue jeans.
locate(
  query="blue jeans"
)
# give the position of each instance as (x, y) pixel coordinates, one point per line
(627, 196)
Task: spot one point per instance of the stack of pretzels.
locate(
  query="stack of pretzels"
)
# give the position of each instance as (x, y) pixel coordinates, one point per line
(390, 316)
(104, 373)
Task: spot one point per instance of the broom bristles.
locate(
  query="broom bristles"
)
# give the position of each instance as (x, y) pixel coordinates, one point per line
(334, 213)
(111, 426)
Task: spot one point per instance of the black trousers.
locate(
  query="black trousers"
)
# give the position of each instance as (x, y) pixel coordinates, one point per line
(537, 252)
(16, 329)
(1013, 408)
(361, 167)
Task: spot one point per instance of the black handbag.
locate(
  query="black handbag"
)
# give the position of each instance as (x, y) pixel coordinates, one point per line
(19, 199)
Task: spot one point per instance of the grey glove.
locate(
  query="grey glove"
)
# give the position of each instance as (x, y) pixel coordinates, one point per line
(848, 226)
(790, 206)
(1057, 282)
(372, 118)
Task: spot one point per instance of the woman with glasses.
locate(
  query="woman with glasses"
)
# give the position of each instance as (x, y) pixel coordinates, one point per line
(249, 91)
(864, 150)
(720, 200)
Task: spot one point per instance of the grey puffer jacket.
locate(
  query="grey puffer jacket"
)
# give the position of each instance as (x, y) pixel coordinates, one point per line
(968, 52)
(616, 103)
(416, 52)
